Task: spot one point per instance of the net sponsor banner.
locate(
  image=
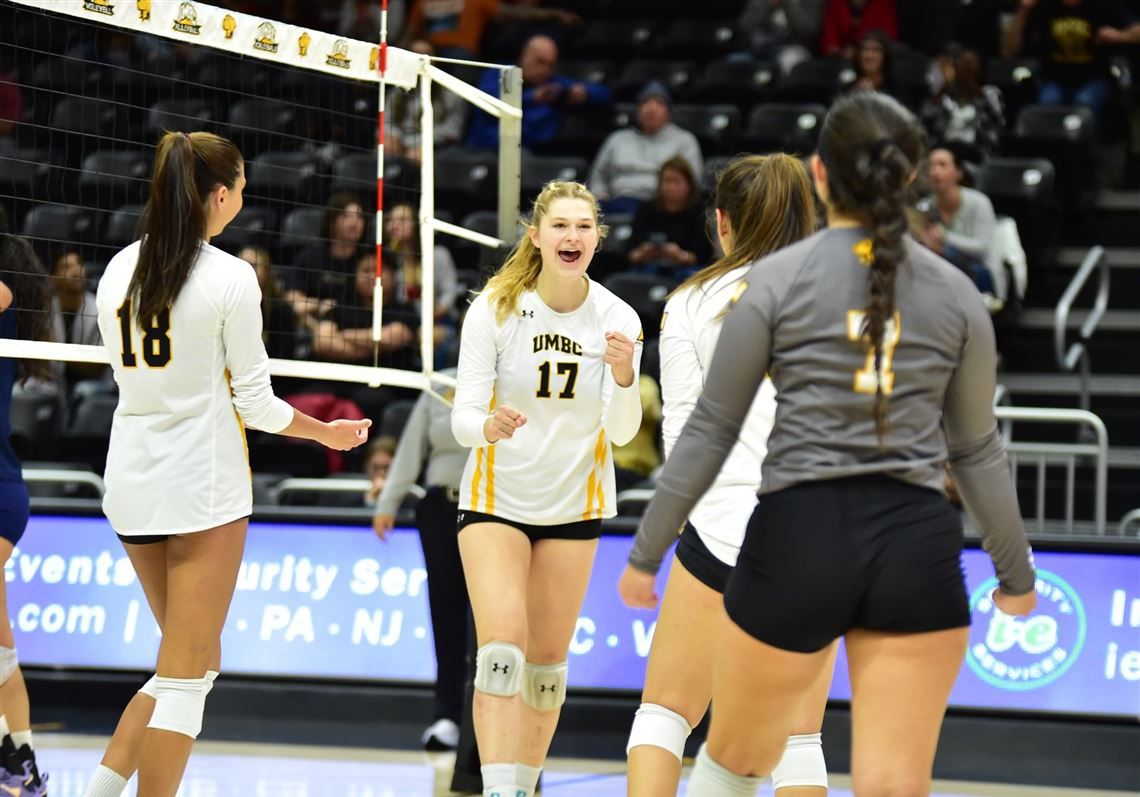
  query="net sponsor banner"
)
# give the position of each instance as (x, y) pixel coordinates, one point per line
(243, 34)
(333, 602)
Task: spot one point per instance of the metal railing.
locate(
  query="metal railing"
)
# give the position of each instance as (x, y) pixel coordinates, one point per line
(1130, 524)
(355, 486)
(65, 476)
(1076, 354)
(1067, 455)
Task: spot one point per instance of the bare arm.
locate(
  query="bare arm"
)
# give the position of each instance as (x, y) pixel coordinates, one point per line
(1014, 39)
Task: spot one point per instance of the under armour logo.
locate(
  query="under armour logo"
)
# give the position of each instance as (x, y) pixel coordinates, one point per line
(506, 668)
(544, 688)
(528, 313)
(459, 517)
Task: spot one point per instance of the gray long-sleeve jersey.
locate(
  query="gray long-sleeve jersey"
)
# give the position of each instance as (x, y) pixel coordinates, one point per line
(799, 320)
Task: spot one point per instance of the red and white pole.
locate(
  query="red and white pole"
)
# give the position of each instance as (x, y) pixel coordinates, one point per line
(378, 295)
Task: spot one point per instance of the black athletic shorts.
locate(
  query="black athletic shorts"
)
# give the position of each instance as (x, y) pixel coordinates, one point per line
(869, 552)
(579, 530)
(700, 561)
(142, 539)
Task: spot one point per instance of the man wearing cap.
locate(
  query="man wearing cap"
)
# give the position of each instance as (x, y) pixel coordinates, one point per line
(625, 172)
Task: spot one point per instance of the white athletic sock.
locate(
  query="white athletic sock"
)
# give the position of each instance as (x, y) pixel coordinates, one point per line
(710, 779)
(3, 726)
(527, 779)
(22, 738)
(106, 782)
(499, 780)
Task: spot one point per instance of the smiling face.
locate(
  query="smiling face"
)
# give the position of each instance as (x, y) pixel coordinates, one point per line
(567, 236)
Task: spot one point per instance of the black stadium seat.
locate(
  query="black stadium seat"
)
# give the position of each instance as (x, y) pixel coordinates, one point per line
(538, 170)
(122, 225)
(1023, 189)
(717, 127)
(111, 178)
(779, 127)
(675, 75)
(737, 80)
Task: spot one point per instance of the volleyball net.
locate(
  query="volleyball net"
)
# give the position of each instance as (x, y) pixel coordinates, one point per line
(345, 238)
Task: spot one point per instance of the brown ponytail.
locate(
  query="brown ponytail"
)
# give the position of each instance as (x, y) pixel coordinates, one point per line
(871, 145)
(187, 169)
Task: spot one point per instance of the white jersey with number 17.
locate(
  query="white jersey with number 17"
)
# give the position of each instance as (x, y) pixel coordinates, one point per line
(558, 468)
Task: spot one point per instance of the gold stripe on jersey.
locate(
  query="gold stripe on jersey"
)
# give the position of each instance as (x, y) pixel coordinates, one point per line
(594, 482)
(487, 454)
(241, 427)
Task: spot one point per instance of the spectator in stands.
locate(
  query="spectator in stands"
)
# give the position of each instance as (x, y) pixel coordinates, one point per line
(427, 440)
(547, 96)
(377, 465)
(1073, 40)
(456, 30)
(279, 325)
(874, 66)
(637, 459)
(74, 317)
(962, 109)
(784, 30)
(402, 236)
(324, 273)
(402, 120)
(669, 234)
(625, 172)
(846, 22)
(962, 222)
(344, 335)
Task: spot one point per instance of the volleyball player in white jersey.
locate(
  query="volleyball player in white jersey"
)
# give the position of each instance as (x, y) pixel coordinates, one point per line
(182, 324)
(548, 369)
(762, 205)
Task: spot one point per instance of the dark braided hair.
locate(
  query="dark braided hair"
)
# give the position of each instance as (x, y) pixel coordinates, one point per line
(871, 146)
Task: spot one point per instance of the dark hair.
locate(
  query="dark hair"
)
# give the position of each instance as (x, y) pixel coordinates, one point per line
(28, 280)
(871, 145)
(338, 203)
(958, 157)
(888, 47)
(188, 167)
(769, 202)
(413, 249)
(683, 168)
(968, 74)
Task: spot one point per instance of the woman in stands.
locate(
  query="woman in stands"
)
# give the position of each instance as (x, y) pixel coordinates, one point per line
(882, 356)
(548, 367)
(182, 324)
(763, 204)
(25, 314)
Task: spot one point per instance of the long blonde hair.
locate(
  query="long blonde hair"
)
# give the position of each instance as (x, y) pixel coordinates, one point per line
(520, 270)
(769, 202)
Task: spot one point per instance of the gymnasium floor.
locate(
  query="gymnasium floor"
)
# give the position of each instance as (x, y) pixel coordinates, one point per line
(229, 769)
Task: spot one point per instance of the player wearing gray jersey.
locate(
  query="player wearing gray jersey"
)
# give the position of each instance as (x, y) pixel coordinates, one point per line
(883, 360)
(763, 203)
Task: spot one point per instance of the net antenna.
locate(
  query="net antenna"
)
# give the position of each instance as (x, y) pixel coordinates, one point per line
(288, 46)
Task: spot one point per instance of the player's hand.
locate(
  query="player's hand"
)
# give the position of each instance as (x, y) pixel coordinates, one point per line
(1108, 35)
(577, 95)
(1015, 605)
(637, 589)
(346, 435)
(382, 525)
(619, 356)
(502, 423)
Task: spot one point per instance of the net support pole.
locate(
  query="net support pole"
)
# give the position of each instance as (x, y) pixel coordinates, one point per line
(427, 225)
(378, 289)
(510, 152)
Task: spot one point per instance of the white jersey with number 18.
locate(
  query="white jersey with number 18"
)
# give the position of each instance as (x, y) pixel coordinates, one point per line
(189, 381)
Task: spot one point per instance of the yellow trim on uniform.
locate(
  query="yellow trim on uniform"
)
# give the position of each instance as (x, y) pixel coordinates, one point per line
(594, 485)
(475, 478)
(486, 452)
(241, 426)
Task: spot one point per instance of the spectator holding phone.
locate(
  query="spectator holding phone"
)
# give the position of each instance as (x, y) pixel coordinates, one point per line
(669, 234)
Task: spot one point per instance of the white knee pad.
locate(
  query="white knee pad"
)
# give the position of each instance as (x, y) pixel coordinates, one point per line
(544, 686)
(179, 705)
(802, 763)
(657, 726)
(8, 664)
(499, 669)
(148, 688)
